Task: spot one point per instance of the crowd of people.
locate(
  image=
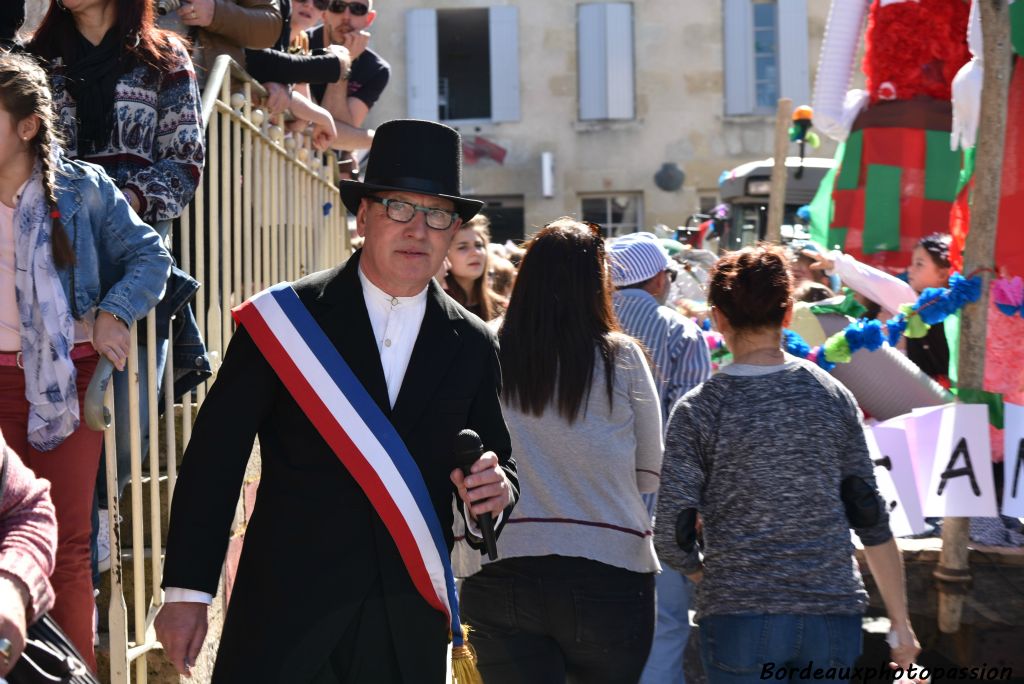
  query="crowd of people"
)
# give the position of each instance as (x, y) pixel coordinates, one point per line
(624, 477)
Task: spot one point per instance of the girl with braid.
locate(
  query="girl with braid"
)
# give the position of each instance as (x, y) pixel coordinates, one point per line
(77, 267)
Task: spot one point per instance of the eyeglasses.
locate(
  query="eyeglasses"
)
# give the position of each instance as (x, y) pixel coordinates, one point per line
(402, 212)
(671, 274)
(319, 4)
(358, 9)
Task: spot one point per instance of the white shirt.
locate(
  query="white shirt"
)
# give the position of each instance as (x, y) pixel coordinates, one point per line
(396, 324)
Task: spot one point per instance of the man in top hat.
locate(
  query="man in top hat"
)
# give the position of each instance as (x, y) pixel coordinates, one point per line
(642, 273)
(322, 594)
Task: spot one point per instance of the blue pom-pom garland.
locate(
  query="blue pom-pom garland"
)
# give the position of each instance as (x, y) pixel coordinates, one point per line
(895, 327)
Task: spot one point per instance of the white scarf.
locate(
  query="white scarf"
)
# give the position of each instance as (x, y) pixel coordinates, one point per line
(47, 327)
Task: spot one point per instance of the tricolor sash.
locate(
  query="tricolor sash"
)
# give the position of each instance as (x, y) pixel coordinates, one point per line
(360, 435)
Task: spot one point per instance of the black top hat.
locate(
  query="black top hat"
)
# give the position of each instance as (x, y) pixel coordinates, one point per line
(415, 156)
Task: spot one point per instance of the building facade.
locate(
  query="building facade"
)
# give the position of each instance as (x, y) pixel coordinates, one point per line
(620, 113)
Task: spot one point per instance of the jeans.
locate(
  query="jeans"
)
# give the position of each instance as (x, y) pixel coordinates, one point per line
(665, 663)
(737, 649)
(122, 416)
(122, 435)
(556, 619)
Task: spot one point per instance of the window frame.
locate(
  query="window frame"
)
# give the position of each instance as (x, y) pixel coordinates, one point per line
(613, 229)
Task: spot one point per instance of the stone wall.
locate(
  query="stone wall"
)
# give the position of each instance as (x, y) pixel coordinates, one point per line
(679, 108)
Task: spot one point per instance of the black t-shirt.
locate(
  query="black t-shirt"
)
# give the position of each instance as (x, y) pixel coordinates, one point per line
(369, 77)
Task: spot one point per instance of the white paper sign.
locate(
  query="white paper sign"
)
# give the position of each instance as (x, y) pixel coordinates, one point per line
(922, 427)
(1013, 465)
(890, 439)
(961, 477)
(899, 523)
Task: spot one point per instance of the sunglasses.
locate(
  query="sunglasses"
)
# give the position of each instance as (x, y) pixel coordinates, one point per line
(358, 9)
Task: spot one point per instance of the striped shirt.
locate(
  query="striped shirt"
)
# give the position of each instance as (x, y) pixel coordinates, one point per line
(680, 355)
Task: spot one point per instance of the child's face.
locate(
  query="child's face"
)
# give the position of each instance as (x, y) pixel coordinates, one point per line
(14, 137)
(924, 272)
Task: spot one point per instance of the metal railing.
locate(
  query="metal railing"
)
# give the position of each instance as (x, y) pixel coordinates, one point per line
(267, 210)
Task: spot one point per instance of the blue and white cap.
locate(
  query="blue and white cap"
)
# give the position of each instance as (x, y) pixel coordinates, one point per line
(635, 258)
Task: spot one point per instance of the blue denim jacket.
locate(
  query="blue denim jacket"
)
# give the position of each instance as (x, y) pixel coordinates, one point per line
(120, 264)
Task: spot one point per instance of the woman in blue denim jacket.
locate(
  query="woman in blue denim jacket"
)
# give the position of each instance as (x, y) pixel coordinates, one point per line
(77, 268)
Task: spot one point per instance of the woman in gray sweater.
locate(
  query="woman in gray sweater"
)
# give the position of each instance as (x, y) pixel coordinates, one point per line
(771, 453)
(572, 596)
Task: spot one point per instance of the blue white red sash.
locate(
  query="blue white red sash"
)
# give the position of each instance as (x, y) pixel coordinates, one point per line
(359, 433)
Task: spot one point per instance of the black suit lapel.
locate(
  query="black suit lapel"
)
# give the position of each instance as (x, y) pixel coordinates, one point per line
(437, 345)
(341, 311)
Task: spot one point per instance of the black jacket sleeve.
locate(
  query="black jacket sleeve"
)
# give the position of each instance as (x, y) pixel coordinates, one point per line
(275, 66)
(213, 467)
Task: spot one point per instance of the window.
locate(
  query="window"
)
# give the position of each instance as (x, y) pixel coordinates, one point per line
(618, 214)
(463, 65)
(605, 57)
(766, 58)
(507, 215)
(765, 54)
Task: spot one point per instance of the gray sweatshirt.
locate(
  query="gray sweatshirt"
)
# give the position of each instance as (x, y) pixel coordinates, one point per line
(761, 451)
(580, 482)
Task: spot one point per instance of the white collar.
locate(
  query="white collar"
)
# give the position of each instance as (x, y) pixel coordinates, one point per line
(374, 293)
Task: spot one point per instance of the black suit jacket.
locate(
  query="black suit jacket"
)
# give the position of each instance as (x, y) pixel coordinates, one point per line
(314, 546)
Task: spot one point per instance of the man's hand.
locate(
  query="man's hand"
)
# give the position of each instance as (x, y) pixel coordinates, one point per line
(12, 621)
(486, 488)
(324, 133)
(111, 338)
(181, 629)
(279, 97)
(696, 576)
(344, 56)
(356, 42)
(196, 12)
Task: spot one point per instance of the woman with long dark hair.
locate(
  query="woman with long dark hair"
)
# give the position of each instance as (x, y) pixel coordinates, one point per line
(771, 454)
(572, 596)
(126, 99)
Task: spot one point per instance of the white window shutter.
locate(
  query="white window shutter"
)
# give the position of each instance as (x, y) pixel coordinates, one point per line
(606, 71)
(421, 63)
(794, 76)
(619, 69)
(592, 54)
(738, 55)
(504, 35)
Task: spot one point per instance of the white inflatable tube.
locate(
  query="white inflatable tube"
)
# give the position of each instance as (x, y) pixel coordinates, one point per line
(836, 64)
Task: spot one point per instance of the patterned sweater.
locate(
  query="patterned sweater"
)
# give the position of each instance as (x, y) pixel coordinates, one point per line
(761, 451)
(156, 147)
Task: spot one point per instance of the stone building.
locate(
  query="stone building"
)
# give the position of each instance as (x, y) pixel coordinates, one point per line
(577, 107)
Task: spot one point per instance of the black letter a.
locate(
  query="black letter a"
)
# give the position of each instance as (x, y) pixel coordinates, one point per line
(949, 473)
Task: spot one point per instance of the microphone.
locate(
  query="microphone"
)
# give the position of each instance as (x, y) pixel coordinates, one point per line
(468, 449)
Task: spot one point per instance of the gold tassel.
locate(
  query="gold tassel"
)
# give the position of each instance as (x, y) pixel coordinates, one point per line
(464, 662)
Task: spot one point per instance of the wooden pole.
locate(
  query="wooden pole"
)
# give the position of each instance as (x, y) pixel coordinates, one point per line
(953, 574)
(777, 198)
